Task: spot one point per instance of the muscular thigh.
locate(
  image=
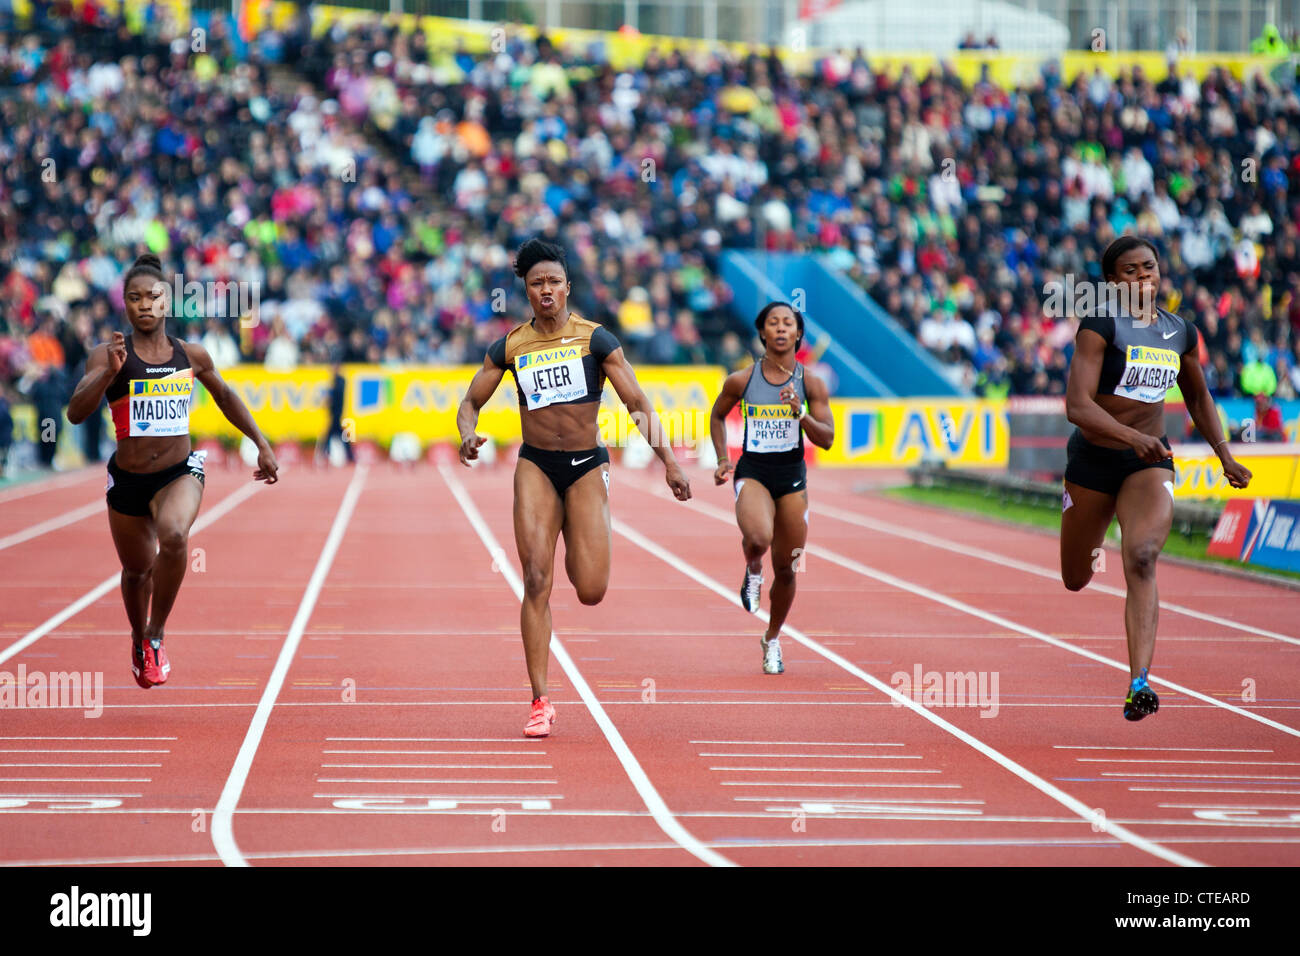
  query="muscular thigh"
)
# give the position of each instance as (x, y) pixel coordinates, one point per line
(586, 527)
(1083, 525)
(790, 530)
(1145, 507)
(176, 505)
(755, 509)
(134, 539)
(538, 515)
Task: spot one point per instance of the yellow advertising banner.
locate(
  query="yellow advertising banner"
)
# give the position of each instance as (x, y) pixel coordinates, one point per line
(1198, 474)
(381, 402)
(901, 432)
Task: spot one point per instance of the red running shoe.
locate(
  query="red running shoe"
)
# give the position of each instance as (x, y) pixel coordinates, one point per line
(540, 719)
(149, 663)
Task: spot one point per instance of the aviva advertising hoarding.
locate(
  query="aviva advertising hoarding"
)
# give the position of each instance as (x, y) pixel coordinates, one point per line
(381, 402)
(900, 433)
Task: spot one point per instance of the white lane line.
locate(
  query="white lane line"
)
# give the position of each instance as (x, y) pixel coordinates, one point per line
(1196, 776)
(794, 743)
(452, 766)
(53, 484)
(422, 753)
(823, 756)
(431, 740)
(1233, 763)
(122, 766)
(436, 766)
(856, 783)
(1199, 750)
(52, 524)
(1077, 806)
(904, 800)
(922, 537)
(88, 738)
(223, 836)
(80, 750)
(939, 598)
(76, 779)
(636, 774)
(1223, 806)
(222, 508)
(522, 783)
(823, 770)
(389, 795)
(1280, 793)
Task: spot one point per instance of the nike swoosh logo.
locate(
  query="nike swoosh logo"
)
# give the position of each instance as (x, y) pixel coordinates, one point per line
(796, 484)
(567, 341)
(574, 461)
(1169, 335)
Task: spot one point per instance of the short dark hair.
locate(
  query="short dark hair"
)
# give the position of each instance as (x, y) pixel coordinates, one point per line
(1120, 246)
(762, 319)
(539, 250)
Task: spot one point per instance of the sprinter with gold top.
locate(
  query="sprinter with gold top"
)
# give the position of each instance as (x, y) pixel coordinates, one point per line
(559, 361)
(779, 401)
(1127, 355)
(155, 479)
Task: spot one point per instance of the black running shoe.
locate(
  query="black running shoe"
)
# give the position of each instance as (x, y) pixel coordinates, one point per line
(1142, 700)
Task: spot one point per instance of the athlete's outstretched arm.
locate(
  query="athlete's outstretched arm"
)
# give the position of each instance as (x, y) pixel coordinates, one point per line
(233, 407)
(819, 422)
(621, 376)
(102, 366)
(733, 390)
(480, 391)
(1200, 405)
(1081, 406)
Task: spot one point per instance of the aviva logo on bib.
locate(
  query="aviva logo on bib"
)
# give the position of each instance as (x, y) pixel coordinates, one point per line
(547, 357)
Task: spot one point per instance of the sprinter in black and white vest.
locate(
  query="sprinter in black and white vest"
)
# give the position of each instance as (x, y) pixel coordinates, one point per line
(780, 402)
(1126, 357)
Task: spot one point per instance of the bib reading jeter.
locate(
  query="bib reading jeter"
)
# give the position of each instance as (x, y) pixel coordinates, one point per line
(1141, 362)
(563, 368)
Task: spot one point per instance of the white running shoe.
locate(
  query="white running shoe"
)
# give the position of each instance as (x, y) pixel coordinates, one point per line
(750, 589)
(772, 663)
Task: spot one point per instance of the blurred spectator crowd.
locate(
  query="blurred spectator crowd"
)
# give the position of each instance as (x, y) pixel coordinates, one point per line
(372, 190)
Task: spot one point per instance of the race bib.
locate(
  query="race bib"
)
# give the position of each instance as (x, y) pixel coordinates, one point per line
(161, 406)
(1148, 373)
(770, 428)
(549, 376)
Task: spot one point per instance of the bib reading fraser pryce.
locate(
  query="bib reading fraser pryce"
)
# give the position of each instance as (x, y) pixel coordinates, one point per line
(1148, 373)
(161, 406)
(771, 428)
(553, 375)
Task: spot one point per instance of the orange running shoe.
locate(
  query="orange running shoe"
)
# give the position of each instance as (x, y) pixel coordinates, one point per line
(540, 718)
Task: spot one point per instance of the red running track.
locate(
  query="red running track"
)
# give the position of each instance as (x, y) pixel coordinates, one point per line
(348, 688)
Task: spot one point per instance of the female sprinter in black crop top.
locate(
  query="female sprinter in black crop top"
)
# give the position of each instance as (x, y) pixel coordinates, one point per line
(559, 361)
(1120, 465)
(155, 479)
